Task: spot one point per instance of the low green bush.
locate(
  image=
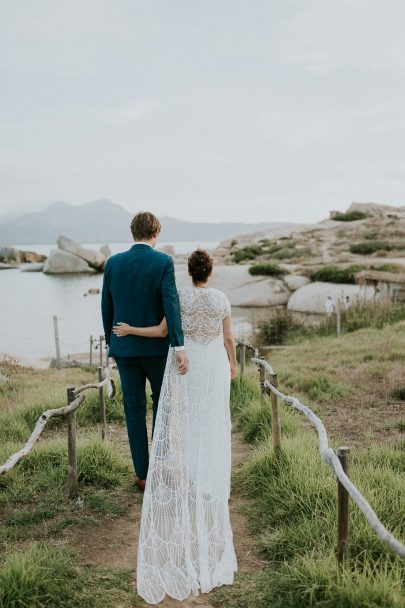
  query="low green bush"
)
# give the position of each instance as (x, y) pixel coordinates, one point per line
(350, 216)
(334, 274)
(369, 247)
(399, 393)
(280, 327)
(246, 253)
(267, 270)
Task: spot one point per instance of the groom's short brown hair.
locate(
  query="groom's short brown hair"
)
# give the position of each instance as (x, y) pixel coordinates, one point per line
(145, 226)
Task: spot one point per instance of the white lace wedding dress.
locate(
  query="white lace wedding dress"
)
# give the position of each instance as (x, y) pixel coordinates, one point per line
(185, 543)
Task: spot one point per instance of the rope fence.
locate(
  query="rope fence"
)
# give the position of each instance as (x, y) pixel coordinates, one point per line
(337, 461)
(75, 398)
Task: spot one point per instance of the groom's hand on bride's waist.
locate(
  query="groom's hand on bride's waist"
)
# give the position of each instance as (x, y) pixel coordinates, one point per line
(181, 361)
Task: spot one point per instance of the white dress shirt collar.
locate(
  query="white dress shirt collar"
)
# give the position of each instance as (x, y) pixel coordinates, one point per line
(143, 243)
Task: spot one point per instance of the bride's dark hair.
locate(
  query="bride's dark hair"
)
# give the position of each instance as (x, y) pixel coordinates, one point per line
(200, 265)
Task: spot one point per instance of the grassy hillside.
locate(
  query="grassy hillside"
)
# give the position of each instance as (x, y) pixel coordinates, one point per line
(293, 499)
(355, 383)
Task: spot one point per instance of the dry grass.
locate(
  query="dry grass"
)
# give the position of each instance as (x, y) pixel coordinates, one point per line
(351, 381)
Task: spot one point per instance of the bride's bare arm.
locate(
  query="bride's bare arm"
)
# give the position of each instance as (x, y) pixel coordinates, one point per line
(154, 331)
(230, 345)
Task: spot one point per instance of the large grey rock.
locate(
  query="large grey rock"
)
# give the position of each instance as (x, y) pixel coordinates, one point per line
(295, 281)
(242, 288)
(7, 266)
(65, 363)
(105, 251)
(95, 259)
(33, 267)
(311, 298)
(62, 262)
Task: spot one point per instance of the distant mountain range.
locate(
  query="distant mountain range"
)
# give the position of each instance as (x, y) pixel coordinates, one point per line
(106, 222)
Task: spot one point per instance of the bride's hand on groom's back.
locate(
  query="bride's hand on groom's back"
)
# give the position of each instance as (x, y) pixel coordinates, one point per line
(121, 329)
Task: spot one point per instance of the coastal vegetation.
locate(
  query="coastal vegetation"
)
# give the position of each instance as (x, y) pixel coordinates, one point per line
(292, 510)
(335, 274)
(266, 269)
(371, 246)
(283, 327)
(354, 383)
(349, 216)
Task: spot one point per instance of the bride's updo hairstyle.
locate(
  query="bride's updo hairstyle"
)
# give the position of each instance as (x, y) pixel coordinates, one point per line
(200, 265)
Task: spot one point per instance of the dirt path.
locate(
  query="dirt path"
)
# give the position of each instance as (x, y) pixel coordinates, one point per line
(115, 543)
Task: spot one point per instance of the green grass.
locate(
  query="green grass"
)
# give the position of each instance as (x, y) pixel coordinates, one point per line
(282, 327)
(293, 511)
(334, 274)
(44, 576)
(267, 270)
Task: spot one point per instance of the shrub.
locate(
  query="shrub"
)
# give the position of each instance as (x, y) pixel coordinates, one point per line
(279, 328)
(266, 269)
(399, 393)
(369, 247)
(334, 274)
(246, 253)
(350, 216)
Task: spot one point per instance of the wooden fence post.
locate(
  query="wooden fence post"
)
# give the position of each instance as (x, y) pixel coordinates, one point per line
(72, 455)
(101, 351)
(91, 351)
(57, 342)
(242, 360)
(262, 373)
(338, 319)
(275, 417)
(101, 401)
(343, 509)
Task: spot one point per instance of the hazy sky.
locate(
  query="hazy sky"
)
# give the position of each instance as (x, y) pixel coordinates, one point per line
(203, 109)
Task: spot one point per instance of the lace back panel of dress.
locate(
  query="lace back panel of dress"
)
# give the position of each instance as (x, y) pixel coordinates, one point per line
(202, 313)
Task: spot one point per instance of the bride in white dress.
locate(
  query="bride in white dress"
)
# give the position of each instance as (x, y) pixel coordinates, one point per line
(185, 542)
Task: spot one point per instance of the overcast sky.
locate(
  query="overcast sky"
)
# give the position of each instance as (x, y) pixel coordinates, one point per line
(203, 109)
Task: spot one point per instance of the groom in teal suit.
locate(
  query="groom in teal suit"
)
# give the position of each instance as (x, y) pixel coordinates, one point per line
(139, 287)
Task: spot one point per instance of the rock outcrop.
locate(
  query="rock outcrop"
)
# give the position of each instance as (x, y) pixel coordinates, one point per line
(295, 281)
(242, 288)
(311, 298)
(15, 257)
(7, 266)
(33, 267)
(95, 259)
(62, 262)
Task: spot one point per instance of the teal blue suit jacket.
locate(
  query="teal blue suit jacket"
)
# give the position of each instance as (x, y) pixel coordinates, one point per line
(139, 288)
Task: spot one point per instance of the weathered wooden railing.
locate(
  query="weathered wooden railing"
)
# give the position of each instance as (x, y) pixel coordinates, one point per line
(337, 461)
(74, 400)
